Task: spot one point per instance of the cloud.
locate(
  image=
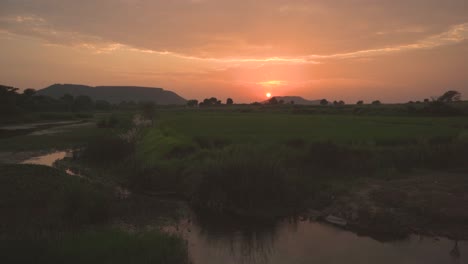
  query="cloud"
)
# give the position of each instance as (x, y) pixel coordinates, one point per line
(39, 27)
(233, 29)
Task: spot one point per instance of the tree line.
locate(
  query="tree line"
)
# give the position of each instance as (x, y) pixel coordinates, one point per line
(14, 102)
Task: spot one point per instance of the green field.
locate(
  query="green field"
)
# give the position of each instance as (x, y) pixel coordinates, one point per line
(275, 127)
(247, 161)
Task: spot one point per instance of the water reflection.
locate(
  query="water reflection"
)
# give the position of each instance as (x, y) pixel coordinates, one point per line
(229, 241)
(47, 159)
(243, 241)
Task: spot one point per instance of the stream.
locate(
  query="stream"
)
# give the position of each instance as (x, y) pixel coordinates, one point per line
(227, 241)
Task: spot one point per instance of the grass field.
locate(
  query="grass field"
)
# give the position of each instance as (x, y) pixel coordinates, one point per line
(238, 162)
(35, 198)
(267, 164)
(276, 127)
(68, 138)
(104, 246)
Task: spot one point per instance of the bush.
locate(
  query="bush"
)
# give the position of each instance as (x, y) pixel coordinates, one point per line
(328, 156)
(441, 109)
(245, 181)
(107, 150)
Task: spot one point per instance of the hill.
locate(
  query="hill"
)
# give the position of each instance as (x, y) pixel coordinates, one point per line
(115, 94)
(297, 100)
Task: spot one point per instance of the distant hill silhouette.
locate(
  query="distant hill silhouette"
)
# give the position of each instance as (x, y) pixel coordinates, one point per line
(115, 94)
(297, 100)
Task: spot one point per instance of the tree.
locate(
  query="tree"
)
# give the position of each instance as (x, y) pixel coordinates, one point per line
(148, 111)
(450, 96)
(29, 92)
(192, 103)
(323, 102)
(68, 99)
(341, 102)
(360, 102)
(273, 101)
(335, 102)
(8, 99)
(83, 103)
(292, 102)
(426, 100)
(376, 102)
(102, 105)
(229, 101)
(210, 102)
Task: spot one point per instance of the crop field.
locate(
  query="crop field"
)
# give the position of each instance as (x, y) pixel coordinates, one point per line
(274, 127)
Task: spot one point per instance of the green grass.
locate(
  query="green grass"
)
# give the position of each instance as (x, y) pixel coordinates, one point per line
(272, 127)
(100, 247)
(35, 198)
(239, 162)
(43, 116)
(70, 138)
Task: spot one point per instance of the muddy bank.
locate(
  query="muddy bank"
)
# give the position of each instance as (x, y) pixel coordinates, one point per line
(37, 129)
(22, 156)
(425, 203)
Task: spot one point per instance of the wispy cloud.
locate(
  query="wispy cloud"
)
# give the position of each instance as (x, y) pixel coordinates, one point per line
(38, 27)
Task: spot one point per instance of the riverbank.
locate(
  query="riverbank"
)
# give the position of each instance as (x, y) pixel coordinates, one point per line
(425, 203)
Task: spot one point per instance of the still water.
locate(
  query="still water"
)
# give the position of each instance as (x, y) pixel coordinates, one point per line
(47, 159)
(301, 242)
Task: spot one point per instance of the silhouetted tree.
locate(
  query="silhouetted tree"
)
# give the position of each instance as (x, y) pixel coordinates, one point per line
(68, 99)
(273, 101)
(229, 101)
(292, 102)
(83, 103)
(323, 102)
(450, 96)
(29, 92)
(426, 100)
(148, 111)
(341, 102)
(210, 102)
(8, 99)
(192, 103)
(360, 102)
(281, 101)
(102, 105)
(376, 102)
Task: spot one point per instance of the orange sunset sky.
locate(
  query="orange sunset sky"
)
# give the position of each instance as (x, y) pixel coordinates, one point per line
(348, 50)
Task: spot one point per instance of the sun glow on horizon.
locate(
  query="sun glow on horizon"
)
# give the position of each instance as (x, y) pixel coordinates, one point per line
(272, 83)
(268, 95)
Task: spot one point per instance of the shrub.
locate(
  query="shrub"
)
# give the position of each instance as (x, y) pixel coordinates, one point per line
(245, 181)
(105, 150)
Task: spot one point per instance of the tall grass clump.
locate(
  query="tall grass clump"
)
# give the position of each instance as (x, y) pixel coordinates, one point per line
(245, 180)
(163, 144)
(105, 150)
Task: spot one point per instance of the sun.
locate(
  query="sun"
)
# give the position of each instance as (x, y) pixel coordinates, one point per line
(268, 95)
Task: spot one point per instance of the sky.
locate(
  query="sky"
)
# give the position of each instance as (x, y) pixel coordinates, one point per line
(394, 51)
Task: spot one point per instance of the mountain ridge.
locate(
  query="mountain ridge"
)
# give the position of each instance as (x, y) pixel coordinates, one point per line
(297, 100)
(115, 94)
